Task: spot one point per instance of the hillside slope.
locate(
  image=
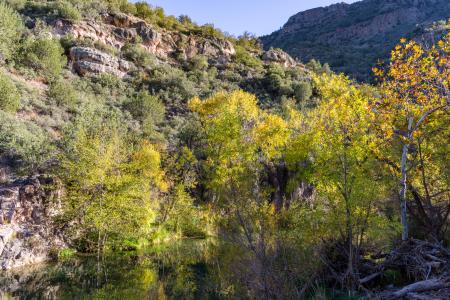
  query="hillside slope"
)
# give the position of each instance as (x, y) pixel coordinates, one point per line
(352, 37)
(66, 65)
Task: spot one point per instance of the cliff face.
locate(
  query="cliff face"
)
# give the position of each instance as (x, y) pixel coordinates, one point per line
(27, 233)
(117, 30)
(352, 37)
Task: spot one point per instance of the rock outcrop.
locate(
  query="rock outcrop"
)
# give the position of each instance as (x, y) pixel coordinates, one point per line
(279, 56)
(27, 208)
(92, 61)
(116, 30)
(353, 37)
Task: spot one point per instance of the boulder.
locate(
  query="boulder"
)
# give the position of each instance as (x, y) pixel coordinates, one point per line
(88, 61)
(6, 233)
(279, 56)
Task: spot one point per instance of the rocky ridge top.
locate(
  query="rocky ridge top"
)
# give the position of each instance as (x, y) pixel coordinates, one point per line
(353, 37)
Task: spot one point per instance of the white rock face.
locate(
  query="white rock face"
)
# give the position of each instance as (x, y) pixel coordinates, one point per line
(279, 56)
(92, 61)
(27, 234)
(116, 30)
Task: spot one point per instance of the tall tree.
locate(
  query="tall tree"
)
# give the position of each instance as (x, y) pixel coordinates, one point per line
(241, 140)
(335, 139)
(415, 92)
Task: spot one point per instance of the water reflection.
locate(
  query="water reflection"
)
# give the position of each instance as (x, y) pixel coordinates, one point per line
(184, 270)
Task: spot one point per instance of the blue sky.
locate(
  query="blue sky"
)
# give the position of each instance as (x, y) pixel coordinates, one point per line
(236, 16)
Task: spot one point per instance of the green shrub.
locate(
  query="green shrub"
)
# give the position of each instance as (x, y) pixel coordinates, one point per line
(144, 11)
(303, 91)
(198, 62)
(11, 27)
(66, 10)
(249, 41)
(9, 95)
(209, 31)
(244, 57)
(121, 5)
(275, 78)
(63, 93)
(172, 86)
(317, 67)
(110, 87)
(186, 21)
(89, 9)
(16, 4)
(66, 253)
(44, 55)
(148, 110)
(138, 55)
(26, 144)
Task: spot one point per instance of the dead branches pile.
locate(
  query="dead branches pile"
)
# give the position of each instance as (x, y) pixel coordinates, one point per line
(424, 264)
(419, 260)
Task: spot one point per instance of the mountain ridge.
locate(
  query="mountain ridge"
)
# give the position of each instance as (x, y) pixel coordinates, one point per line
(353, 37)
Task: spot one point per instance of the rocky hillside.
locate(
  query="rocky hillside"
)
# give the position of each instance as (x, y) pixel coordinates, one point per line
(353, 37)
(66, 64)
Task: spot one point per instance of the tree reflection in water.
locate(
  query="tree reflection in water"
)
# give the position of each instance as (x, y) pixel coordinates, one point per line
(184, 270)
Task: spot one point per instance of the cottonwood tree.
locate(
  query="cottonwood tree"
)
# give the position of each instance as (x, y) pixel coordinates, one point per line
(111, 191)
(240, 141)
(415, 96)
(335, 139)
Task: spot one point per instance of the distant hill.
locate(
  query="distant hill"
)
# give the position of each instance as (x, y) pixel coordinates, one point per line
(353, 37)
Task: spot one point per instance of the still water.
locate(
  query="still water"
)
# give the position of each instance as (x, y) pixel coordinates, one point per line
(185, 270)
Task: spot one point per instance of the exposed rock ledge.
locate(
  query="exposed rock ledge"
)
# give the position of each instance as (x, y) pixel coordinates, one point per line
(92, 61)
(279, 56)
(116, 30)
(27, 234)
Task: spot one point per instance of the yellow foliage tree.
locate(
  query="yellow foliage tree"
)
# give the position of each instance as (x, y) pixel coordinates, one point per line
(415, 95)
(334, 139)
(241, 141)
(111, 192)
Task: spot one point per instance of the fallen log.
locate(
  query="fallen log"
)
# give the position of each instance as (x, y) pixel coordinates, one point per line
(415, 296)
(421, 286)
(370, 277)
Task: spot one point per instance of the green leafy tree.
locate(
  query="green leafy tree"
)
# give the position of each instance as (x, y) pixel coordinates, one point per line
(27, 145)
(112, 192)
(63, 93)
(303, 91)
(246, 58)
(241, 140)
(335, 138)
(11, 28)
(67, 10)
(148, 110)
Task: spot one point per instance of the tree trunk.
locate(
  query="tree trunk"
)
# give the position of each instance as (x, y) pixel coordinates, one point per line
(403, 207)
(277, 177)
(403, 182)
(350, 244)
